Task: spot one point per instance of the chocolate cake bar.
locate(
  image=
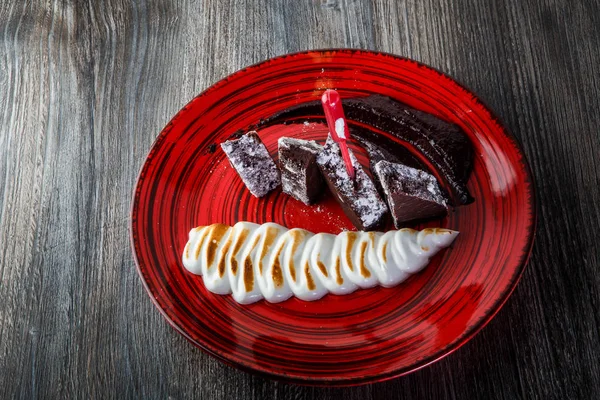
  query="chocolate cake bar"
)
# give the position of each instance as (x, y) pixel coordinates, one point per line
(250, 158)
(411, 194)
(300, 175)
(358, 197)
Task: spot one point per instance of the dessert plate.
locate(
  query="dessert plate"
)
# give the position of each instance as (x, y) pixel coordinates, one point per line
(370, 335)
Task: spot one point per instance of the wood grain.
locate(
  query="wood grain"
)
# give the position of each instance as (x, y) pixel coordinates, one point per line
(86, 86)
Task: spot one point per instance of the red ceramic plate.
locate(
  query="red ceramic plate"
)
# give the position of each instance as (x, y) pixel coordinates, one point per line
(370, 335)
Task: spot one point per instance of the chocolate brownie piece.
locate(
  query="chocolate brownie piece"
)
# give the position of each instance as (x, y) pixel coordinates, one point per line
(358, 197)
(250, 158)
(411, 194)
(300, 175)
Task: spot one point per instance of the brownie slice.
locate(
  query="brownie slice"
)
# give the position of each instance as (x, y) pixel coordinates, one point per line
(300, 175)
(250, 158)
(359, 198)
(411, 194)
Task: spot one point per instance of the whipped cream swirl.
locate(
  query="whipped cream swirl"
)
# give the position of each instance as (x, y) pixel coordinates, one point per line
(269, 261)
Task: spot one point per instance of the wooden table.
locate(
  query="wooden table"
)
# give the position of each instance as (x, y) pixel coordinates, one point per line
(85, 87)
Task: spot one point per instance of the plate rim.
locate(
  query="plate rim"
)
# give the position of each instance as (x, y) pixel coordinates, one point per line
(367, 379)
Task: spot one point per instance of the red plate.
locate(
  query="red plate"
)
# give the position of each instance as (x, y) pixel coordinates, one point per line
(370, 335)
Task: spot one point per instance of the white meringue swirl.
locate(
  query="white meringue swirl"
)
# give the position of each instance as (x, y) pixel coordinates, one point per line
(269, 261)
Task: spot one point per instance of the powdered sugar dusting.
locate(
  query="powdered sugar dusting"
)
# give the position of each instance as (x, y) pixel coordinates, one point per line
(307, 145)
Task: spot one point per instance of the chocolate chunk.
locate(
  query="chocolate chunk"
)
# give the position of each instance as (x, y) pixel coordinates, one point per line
(359, 198)
(300, 175)
(411, 194)
(250, 158)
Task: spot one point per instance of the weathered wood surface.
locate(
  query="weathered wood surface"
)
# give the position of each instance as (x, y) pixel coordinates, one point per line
(86, 86)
